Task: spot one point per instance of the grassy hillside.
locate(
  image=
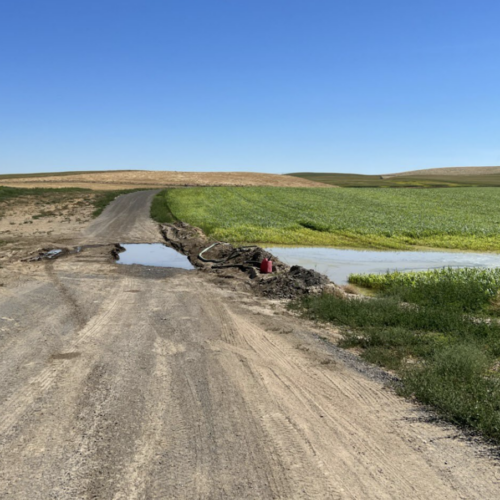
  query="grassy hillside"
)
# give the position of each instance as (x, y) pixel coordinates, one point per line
(449, 171)
(421, 181)
(462, 218)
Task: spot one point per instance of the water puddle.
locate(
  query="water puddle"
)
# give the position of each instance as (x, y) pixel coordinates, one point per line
(338, 264)
(154, 254)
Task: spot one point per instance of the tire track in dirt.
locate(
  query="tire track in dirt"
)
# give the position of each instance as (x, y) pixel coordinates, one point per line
(337, 422)
(18, 404)
(74, 310)
(136, 477)
(214, 448)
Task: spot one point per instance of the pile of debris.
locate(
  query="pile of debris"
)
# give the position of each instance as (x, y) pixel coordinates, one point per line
(227, 261)
(46, 254)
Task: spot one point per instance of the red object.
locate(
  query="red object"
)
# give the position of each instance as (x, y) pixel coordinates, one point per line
(266, 266)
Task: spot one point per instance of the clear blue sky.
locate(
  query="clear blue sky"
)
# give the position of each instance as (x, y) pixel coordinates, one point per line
(365, 86)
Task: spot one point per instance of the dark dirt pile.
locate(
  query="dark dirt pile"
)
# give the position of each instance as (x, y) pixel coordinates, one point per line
(243, 263)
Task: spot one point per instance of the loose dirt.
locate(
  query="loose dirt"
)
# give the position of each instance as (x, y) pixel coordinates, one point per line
(123, 382)
(150, 179)
(59, 214)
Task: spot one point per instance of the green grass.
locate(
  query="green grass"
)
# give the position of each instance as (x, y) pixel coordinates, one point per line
(445, 356)
(431, 181)
(160, 210)
(460, 218)
(468, 289)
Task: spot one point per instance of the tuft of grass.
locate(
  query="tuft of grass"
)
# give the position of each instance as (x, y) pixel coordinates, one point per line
(455, 380)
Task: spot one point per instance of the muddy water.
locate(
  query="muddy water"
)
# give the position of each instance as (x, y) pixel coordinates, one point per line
(338, 264)
(154, 254)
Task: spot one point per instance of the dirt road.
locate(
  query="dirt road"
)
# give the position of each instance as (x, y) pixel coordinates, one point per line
(128, 382)
(126, 220)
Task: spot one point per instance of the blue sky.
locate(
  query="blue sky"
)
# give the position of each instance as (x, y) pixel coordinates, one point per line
(362, 86)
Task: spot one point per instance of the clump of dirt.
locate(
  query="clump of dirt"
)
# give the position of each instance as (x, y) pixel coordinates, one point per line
(227, 261)
(116, 251)
(295, 281)
(185, 239)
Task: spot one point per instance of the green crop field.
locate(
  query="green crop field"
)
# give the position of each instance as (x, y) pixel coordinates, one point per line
(459, 218)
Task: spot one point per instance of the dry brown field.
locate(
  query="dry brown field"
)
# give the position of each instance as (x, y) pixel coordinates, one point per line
(151, 179)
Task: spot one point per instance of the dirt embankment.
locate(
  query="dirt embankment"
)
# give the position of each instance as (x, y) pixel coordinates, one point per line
(243, 264)
(150, 180)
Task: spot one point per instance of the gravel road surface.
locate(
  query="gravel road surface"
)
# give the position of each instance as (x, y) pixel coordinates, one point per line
(129, 382)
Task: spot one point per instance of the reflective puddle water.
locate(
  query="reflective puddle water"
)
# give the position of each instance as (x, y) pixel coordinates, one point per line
(154, 254)
(338, 264)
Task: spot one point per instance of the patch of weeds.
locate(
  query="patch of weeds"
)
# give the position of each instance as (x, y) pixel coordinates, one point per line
(445, 357)
(467, 289)
(160, 209)
(454, 380)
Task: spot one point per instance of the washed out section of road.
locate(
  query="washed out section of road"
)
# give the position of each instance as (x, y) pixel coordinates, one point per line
(242, 264)
(155, 254)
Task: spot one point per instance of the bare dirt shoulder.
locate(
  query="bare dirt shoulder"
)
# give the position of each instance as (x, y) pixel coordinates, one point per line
(134, 382)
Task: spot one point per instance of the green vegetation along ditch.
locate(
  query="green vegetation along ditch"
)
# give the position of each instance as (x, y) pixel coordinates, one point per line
(458, 218)
(438, 330)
